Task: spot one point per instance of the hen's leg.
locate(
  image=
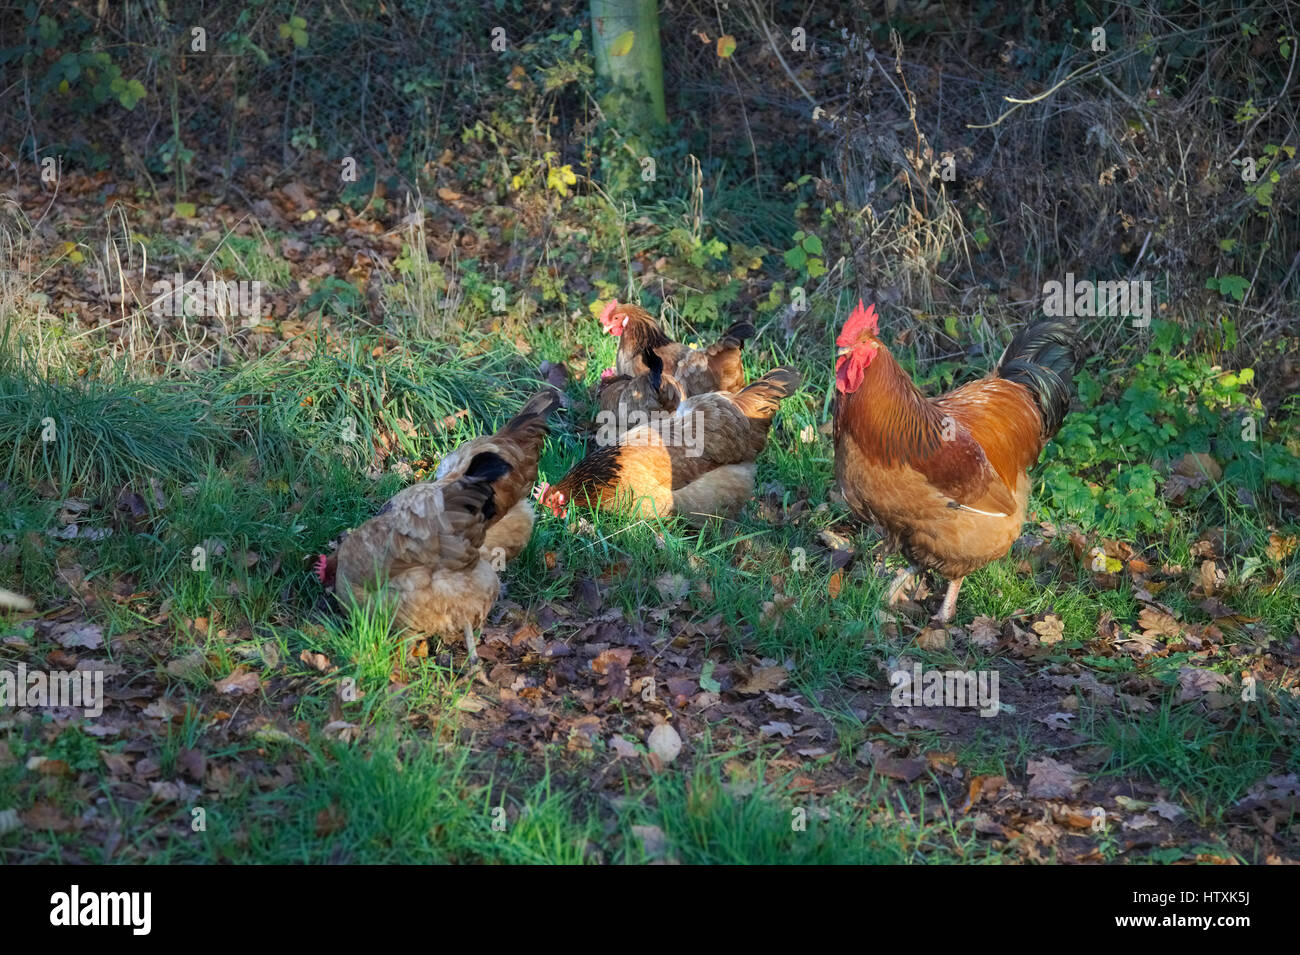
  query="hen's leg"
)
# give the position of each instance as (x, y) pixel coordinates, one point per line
(949, 608)
(470, 645)
(475, 665)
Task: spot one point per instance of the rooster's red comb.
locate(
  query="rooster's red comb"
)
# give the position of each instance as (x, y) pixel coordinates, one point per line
(861, 319)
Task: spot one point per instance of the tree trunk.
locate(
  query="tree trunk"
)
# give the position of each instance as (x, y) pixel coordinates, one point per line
(637, 73)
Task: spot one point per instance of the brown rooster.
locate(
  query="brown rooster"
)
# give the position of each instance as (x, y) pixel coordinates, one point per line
(946, 477)
(422, 553)
(698, 463)
(697, 370)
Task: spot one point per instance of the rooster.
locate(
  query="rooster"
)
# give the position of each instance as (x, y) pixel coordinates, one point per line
(697, 370)
(423, 553)
(698, 462)
(946, 477)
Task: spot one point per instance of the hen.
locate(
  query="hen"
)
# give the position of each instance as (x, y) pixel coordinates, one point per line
(946, 477)
(626, 402)
(422, 552)
(698, 462)
(697, 370)
(519, 443)
(436, 511)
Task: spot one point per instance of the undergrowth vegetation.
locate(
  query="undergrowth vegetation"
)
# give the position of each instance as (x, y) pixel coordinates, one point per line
(167, 479)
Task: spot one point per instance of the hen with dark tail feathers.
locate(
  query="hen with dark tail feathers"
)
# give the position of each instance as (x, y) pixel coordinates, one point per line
(698, 370)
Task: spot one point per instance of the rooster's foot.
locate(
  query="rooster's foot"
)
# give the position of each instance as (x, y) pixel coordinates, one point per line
(902, 587)
(949, 608)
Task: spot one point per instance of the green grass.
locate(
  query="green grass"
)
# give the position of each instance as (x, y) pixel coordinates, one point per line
(1206, 765)
(260, 463)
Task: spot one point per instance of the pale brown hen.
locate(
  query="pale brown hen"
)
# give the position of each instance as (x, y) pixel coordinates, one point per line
(421, 553)
(698, 463)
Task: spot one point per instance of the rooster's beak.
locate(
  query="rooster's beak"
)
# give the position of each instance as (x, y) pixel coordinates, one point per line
(846, 350)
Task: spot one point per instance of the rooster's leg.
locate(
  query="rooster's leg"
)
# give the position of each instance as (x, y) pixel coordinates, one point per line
(905, 580)
(949, 608)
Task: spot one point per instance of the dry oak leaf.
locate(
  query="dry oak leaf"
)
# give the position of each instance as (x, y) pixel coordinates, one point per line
(672, 588)
(981, 787)
(1155, 623)
(1279, 548)
(44, 816)
(192, 664)
(1194, 682)
(783, 702)
(1050, 629)
(1168, 810)
(984, 632)
(241, 681)
(763, 679)
(316, 660)
(1140, 822)
(1057, 721)
(622, 747)
(1049, 779)
(1209, 578)
(932, 638)
(876, 755)
(88, 635)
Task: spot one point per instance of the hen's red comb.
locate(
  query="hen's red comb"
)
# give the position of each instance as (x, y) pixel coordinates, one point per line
(321, 566)
(607, 320)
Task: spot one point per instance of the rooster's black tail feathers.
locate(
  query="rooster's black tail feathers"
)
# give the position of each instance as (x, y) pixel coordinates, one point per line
(1041, 357)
